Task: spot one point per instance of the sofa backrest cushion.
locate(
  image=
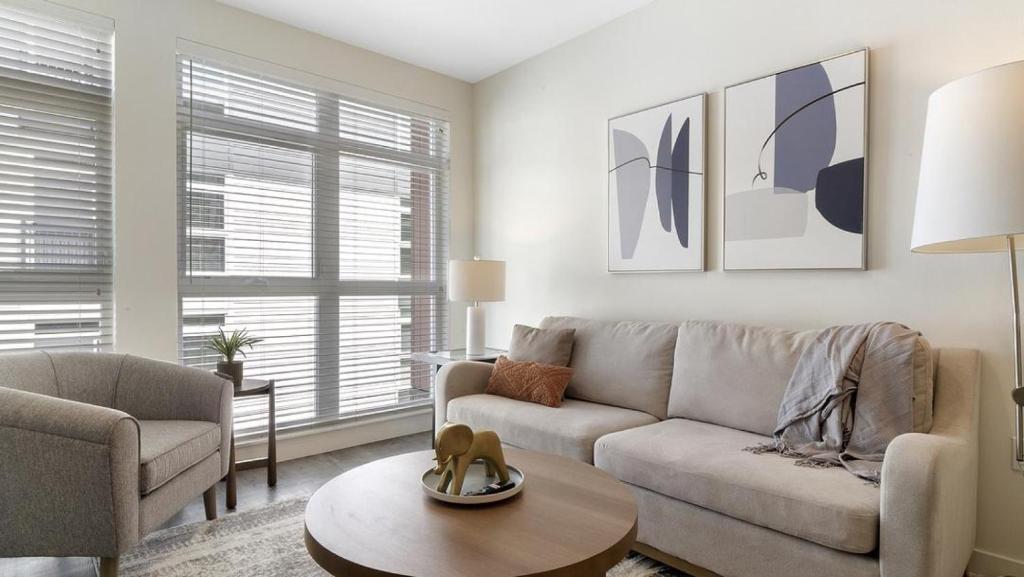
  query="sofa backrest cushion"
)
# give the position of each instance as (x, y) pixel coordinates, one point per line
(623, 364)
(733, 375)
(736, 375)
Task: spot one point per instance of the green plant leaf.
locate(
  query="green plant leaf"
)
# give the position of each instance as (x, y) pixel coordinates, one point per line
(229, 346)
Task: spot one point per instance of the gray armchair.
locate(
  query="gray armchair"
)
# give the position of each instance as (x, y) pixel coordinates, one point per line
(97, 450)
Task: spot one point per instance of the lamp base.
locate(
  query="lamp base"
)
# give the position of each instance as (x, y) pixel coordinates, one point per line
(476, 326)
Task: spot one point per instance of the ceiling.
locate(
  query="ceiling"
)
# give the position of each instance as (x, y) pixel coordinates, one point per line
(466, 39)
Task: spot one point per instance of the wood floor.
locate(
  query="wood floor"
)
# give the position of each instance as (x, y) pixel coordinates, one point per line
(298, 478)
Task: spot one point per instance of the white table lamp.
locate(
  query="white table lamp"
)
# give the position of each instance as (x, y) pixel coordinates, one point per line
(476, 281)
(970, 195)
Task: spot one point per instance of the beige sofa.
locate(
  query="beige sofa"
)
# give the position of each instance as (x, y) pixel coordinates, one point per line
(668, 409)
(96, 450)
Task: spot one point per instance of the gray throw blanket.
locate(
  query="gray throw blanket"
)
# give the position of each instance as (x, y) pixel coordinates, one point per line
(851, 393)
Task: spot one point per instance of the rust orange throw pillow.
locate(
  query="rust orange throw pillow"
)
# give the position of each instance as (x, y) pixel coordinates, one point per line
(526, 381)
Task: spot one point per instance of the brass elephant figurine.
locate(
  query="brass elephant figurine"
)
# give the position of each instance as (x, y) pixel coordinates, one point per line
(457, 447)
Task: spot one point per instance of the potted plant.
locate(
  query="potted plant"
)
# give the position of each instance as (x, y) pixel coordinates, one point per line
(228, 346)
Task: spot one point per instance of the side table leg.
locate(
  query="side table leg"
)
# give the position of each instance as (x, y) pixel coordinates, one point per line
(272, 442)
(232, 492)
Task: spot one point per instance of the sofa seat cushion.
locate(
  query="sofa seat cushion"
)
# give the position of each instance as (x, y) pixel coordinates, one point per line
(168, 448)
(569, 430)
(705, 465)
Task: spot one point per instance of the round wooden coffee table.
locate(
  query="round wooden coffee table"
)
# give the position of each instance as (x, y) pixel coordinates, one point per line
(571, 520)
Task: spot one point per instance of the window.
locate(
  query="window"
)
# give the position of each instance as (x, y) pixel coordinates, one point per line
(56, 240)
(318, 223)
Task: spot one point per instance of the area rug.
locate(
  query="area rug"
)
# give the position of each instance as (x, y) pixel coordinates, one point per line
(265, 542)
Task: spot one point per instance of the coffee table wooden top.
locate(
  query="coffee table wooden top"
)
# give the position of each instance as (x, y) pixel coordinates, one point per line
(571, 520)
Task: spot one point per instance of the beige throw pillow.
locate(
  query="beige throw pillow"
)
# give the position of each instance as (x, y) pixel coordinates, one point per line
(545, 346)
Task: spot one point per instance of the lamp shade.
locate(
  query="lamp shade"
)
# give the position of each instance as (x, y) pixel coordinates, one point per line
(970, 195)
(476, 280)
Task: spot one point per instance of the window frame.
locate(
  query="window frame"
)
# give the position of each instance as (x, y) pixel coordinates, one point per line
(60, 283)
(327, 146)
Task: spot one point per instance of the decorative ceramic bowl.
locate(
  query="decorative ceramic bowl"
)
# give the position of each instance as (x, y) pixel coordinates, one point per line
(476, 479)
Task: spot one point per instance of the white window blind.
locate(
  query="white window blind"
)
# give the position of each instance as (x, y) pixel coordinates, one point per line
(56, 240)
(318, 223)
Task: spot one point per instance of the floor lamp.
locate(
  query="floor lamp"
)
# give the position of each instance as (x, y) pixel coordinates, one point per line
(970, 195)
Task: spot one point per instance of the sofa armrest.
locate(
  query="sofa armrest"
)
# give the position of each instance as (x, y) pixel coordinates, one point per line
(929, 492)
(69, 477)
(458, 379)
(930, 481)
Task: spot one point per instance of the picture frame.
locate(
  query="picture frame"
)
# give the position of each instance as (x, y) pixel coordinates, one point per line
(795, 168)
(657, 199)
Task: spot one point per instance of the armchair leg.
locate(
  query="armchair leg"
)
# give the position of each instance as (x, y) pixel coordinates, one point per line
(210, 502)
(108, 566)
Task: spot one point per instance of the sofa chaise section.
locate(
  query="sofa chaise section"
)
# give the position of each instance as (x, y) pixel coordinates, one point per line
(705, 465)
(674, 530)
(690, 502)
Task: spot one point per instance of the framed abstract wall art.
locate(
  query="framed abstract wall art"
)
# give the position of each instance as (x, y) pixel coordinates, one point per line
(795, 168)
(656, 188)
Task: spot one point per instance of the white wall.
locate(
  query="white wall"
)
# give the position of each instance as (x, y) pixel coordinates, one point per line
(146, 33)
(540, 179)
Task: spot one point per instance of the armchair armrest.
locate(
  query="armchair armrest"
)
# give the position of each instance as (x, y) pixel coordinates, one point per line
(69, 477)
(930, 481)
(458, 379)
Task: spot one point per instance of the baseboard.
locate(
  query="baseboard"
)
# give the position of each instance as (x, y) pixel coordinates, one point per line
(345, 434)
(987, 564)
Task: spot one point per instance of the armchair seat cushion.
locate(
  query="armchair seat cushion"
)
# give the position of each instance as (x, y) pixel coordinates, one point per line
(168, 448)
(705, 465)
(569, 430)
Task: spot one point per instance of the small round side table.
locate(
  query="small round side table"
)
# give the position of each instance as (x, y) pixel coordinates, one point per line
(253, 388)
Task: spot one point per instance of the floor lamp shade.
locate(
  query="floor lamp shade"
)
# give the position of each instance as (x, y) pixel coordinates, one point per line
(476, 281)
(970, 193)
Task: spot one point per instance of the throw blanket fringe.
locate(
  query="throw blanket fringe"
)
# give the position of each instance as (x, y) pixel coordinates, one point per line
(762, 448)
(812, 463)
(800, 459)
